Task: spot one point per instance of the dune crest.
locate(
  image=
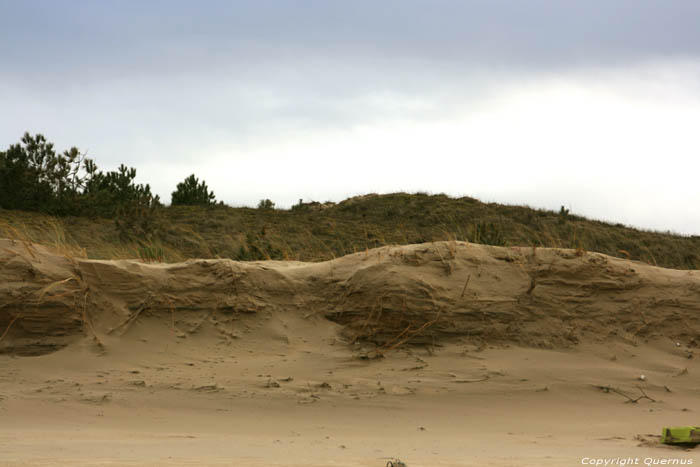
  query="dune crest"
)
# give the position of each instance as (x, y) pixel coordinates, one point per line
(390, 296)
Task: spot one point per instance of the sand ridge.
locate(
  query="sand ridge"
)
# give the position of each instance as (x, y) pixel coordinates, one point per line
(426, 293)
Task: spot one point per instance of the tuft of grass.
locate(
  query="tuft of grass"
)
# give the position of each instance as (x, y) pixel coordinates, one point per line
(150, 254)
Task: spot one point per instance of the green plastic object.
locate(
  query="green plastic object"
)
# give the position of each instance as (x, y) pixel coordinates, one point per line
(681, 435)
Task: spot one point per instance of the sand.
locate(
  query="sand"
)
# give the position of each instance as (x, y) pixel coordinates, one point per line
(443, 354)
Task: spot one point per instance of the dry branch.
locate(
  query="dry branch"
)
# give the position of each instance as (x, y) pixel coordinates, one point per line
(465, 285)
(425, 325)
(630, 400)
(7, 329)
(126, 324)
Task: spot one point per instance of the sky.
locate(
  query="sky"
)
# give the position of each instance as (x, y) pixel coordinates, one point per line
(593, 105)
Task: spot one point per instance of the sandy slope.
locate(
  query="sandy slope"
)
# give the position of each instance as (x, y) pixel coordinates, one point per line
(222, 363)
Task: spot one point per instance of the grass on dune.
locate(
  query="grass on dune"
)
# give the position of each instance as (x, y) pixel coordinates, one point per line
(314, 232)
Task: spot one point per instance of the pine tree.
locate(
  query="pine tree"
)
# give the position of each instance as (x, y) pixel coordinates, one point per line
(192, 192)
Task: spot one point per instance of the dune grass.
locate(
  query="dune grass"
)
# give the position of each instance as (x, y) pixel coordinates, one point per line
(314, 232)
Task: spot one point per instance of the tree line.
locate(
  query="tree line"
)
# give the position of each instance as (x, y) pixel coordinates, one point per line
(35, 177)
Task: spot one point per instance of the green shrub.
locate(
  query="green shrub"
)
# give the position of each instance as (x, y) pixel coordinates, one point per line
(151, 254)
(266, 204)
(192, 192)
(33, 177)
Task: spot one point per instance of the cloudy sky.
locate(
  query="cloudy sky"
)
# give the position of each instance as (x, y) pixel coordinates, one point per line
(591, 104)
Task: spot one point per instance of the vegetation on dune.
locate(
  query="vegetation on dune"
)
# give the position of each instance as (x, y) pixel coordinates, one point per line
(139, 226)
(266, 204)
(353, 225)
(34, 177)
(192, 192)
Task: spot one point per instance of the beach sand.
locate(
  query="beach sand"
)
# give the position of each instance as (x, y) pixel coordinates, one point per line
(445, 354)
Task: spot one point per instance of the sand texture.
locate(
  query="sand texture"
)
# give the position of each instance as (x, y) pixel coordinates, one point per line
(441, 354)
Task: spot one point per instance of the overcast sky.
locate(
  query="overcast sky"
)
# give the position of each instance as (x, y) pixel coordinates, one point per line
(591, 104)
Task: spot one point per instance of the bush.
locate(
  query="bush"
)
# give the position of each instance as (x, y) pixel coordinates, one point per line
(266, 204)
(192, 192)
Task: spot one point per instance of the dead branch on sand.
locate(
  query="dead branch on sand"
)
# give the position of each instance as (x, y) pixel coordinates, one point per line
(126, 324)
(630, 400)
(478, 380)
(465, 285)
(196, 327)
(7, 329)
(88, 323)
(410, 335)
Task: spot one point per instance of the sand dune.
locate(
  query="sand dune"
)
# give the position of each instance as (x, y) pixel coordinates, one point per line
(442, 354)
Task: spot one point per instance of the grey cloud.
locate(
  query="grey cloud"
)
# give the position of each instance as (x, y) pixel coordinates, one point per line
(237, 104)
(167, 36)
